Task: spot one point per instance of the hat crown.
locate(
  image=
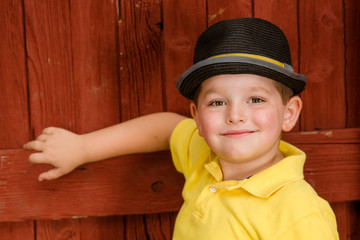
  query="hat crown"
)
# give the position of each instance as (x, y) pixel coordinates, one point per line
(243, 35)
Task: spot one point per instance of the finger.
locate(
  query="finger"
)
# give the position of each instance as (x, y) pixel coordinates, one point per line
(42, 137)
(37, 158)
(49, 130)
(51, 174)
(34, 145)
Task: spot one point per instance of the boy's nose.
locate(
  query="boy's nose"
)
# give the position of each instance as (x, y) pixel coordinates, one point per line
(236, 113)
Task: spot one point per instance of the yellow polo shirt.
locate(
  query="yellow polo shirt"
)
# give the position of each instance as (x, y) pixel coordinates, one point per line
(276, 203)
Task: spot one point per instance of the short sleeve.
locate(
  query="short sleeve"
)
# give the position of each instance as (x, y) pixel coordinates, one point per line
(186, 146)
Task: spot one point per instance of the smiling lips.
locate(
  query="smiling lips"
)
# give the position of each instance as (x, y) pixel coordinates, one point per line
(237, 133)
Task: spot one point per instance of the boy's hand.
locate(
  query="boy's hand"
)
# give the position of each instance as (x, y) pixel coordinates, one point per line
(58, 147)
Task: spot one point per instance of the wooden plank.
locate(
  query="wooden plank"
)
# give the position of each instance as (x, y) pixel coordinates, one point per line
(183, 23)
(347, 218)
(140, 58)
(322, 60)
(95, 64)
(135, 227)
(59, 229)
(227, 9)
(155, 187)
(333, 174)
(352, 61)
(51, 82)
(17, 231)
(95, 97)
(141, 85)
(14, 117)
(346, 135)
(153, 176)
(160, 226)
(102, 228)
(50, 70)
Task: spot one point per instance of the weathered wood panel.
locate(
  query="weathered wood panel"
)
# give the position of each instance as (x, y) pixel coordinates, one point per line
(95, 64)
(50, 70)
(103, 228)
(322, 61)
(183, 23)
(17, 231)
(141, 83)
(352, 61)
(152, 175)
(14, 107)
(58, 229)
(218, 10)
(140, 58)
(95, 97)
(14, 117)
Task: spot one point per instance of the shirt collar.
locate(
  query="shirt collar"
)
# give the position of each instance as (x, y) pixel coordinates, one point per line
(266, 182)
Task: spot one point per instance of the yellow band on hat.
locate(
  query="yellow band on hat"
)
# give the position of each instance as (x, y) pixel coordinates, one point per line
(250, 56)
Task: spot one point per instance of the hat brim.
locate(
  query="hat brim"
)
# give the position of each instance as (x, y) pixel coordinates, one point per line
(191, 79)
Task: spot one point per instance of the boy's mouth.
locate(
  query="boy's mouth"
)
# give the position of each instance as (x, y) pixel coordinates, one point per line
(237, 133)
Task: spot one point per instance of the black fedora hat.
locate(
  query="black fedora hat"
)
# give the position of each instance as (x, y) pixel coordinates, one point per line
(242, 45)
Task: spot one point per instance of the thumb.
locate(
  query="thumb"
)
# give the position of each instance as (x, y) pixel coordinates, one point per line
(51, 174)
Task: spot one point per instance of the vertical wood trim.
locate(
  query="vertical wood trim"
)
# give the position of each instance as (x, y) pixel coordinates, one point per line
(94, 54)
(14, 114)
(102, 228)
(17, 231)
(48, 39)
(352, 61)
(322, 61)
(58, 229)
(183, 23)
(140, 58)
(135, 227)
(160, 226)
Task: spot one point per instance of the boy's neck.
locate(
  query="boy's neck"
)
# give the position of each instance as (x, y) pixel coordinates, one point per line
(243, 170)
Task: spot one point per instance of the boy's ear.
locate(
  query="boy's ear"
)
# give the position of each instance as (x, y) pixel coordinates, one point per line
(291, 113)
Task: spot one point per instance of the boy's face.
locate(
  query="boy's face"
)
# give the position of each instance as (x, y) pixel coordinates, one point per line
(242, 116)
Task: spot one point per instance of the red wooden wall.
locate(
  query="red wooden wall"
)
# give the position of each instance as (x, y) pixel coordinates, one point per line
(87, 64)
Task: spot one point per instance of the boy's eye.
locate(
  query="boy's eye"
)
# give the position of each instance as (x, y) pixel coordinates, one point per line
(217, 103)
(256, 100)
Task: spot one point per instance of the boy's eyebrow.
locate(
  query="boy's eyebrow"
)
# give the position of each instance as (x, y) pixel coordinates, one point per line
(210, 91)
(254, 89)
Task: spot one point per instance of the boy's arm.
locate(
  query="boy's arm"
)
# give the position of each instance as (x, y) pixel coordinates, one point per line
(66, 150)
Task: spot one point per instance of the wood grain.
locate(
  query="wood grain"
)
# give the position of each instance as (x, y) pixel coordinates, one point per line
(17, 231)
(140, 58)
(95, 64)
(183, 23)
(227, 9)
(14, 112)
(50, 69)
(322, 61)
(352, 61)
(58, 229)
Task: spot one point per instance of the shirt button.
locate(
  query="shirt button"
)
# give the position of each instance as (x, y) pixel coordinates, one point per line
(213, 189)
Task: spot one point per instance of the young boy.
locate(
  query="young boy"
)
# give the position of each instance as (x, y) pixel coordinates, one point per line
(242, 181)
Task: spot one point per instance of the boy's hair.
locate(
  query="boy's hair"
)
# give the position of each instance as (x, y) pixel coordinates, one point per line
(285, 92)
